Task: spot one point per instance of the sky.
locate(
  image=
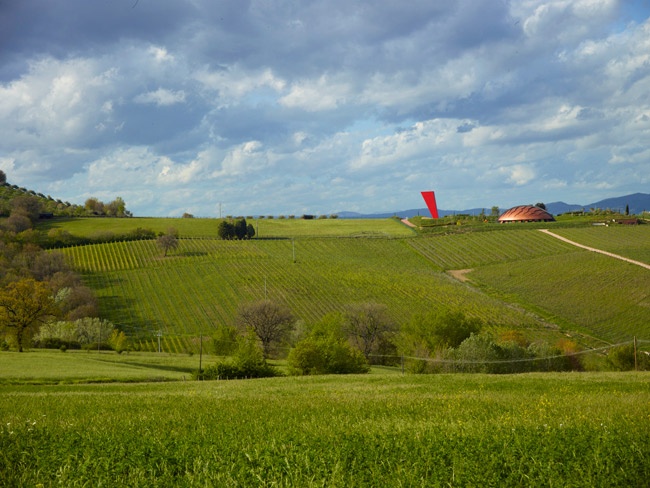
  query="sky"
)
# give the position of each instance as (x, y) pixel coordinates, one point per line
(274, 107)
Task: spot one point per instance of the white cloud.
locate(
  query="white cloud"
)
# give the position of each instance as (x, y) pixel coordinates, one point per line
(519, 174)
(161, 97)
(317, 95)
(479, 100)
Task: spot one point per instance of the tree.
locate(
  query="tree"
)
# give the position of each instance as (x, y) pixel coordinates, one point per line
(24, 305)
(27, 205)
(226, 230)
(326, 355)
(169, 241)
(540, 205)
(432, 333)
(3, 178)
(494, 211)
(270, 322)
(240, 229)
(94, 206)
(368, 325)
(250, 231)
(627, 209)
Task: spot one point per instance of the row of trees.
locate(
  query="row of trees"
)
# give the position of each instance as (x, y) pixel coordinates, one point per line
(365, 334)
(48, 205)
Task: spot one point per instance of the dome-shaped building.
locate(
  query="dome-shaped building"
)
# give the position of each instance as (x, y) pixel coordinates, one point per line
(525, 213)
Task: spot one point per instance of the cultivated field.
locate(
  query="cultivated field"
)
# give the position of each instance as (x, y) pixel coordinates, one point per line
(388, 430)
(202, 284)
(519, 278)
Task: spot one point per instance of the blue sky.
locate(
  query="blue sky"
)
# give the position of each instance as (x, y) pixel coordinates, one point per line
(292, 107)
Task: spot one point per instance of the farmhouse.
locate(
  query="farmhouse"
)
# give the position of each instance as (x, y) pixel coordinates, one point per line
(525, 213)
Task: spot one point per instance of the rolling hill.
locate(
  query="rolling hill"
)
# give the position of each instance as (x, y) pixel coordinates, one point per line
(519, 278)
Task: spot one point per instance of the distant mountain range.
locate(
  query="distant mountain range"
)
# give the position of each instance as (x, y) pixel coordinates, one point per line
(637, 202)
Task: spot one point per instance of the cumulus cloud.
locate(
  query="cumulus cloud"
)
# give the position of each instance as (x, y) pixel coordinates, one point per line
(327, 105)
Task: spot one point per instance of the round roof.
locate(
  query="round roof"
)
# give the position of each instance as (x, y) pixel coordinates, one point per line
(526, 213)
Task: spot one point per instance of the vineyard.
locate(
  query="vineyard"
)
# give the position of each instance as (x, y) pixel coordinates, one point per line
(629, 241)
(598, 295)
(201, 286)
(519, 279)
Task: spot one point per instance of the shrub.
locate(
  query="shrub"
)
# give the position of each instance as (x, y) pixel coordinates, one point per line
(621, 358)
(248, 362)
(326, 355)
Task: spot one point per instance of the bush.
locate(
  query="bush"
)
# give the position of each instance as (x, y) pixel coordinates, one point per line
(621, 358)
(248, 362)
(326, 355)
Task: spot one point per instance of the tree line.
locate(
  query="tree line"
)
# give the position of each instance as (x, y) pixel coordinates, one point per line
(365, 334)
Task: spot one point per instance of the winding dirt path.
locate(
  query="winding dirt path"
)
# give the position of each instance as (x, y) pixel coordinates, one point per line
(610, 254)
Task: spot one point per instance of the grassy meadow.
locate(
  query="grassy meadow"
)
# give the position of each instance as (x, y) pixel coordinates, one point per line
(373, 430)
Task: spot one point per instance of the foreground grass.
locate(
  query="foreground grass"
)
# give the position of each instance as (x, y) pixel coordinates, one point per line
(447, 430)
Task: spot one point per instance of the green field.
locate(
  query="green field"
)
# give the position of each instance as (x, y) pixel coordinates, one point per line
(202, 284)
(521, 278)
(441, 430)
(90, 418)
(630, 241)
(264, 228)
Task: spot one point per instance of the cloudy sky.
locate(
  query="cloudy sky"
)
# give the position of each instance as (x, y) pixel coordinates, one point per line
(291, 107)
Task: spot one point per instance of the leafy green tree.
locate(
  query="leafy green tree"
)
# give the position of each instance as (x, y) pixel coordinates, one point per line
(368, 325)
(118, 341)
(240, 229)
(248, 362)
(250, 231)
(269, 321)
(326, 355)
(226, 230)
(24, 306)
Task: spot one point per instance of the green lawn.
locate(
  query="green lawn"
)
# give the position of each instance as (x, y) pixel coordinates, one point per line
(384, 430)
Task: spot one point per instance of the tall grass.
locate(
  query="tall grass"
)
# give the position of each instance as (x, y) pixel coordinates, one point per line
(461, 430)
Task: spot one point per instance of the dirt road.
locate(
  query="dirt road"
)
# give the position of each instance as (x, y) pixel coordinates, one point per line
(610, 254)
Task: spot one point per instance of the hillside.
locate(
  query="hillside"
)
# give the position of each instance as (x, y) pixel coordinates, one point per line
(199, 287)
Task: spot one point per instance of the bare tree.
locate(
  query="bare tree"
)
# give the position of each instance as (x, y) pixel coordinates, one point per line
(270, 322)
(368, 325)
(168, 241)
